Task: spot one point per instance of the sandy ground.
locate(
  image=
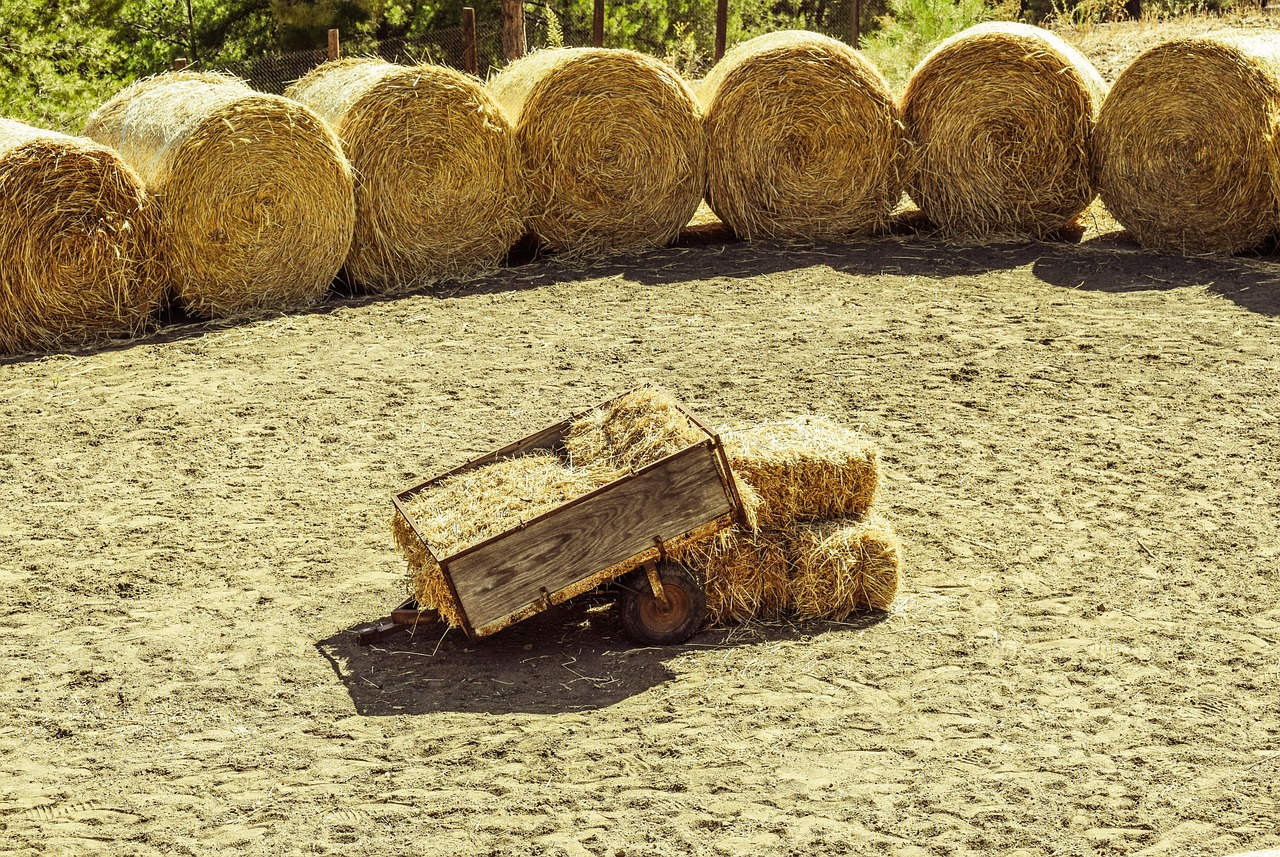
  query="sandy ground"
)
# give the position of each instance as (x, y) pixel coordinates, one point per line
(1080, 455)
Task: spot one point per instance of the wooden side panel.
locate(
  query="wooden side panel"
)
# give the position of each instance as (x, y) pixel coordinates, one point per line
(576, 541)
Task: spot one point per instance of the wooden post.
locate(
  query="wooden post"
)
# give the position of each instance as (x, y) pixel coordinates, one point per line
(469, 40)
(335, 50)
(179, 64)
(722, 26)
(855, 25)
(597, 25)
(513, 42)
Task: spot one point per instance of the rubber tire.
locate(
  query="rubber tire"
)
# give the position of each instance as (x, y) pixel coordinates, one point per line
(643, 618)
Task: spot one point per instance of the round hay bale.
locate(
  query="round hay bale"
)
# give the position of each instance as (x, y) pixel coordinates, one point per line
(1184, 154)
(999, 118)
(842, 566)
(437, 189)
(804, 139)
(611, 147)
(77, 244)
(255, 195)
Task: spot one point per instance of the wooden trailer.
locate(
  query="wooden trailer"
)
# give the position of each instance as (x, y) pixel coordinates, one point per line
(619, 533)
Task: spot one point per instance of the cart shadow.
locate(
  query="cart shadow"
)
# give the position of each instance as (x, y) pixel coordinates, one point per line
(570, 658)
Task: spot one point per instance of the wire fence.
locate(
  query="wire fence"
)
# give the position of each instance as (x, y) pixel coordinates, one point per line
(689, 46)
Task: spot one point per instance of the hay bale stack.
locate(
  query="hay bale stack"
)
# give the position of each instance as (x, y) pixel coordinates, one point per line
(77, 244)
(437, 191)
(804, 139)
(1184, 154)
(255, 195)
(631, 432)
(999, 118)
(804, 469)
(842, 566)
(474, 505)
(611, 146)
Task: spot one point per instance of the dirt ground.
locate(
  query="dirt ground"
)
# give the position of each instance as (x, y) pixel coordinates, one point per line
(1079, 443)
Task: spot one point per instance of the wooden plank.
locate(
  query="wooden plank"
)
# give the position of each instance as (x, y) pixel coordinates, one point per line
(469, 40)
(576, 541)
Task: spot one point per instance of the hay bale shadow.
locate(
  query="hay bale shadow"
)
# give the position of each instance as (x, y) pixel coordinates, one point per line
(570, 658)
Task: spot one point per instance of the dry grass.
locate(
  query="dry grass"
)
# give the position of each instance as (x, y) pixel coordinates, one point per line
(842, 566)
(438, 194)
(999, 118)
(611, 146)
(255, 195)
(804, 139)
(77, 243)
(804, 469)
(633, 431)
(1185, 149)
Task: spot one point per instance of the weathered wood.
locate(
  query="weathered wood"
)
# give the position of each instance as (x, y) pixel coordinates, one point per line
(855, 22)
(600, 530)
(335, 49)
(597, 24)
(179, 63)
(513, 39)
(722, 27)
(469, 40)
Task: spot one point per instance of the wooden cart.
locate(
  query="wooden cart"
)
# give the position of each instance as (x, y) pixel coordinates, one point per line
(618, 533)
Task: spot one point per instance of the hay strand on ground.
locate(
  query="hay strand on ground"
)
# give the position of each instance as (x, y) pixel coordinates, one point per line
(633, 431)
(999, 118)
(438, 194)
(255, 195)
(1184, 154)
(804, 139)
(77, 243)
(611, 147)
(842, 566)
(803, 469)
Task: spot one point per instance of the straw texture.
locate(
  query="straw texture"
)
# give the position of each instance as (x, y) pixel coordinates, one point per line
(999, 118)
(746, 574)
(255, 195)
(842, 566)
(611, 147)
(803, 469)
(804, 139)
(77, 238)
(635, 430)
(437, 188)
(1185, 149)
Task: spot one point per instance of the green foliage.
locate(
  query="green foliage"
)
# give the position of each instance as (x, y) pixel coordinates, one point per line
(913, 27)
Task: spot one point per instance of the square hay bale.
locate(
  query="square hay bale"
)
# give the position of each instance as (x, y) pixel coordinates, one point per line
(806, 468)
(746, 574)
(840, 566)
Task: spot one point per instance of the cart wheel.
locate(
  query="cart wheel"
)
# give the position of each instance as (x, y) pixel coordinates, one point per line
(646, 620)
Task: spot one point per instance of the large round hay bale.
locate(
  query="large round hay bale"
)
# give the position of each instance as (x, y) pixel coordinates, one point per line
(437, 190)
(999, 118)
(804, 139)
(255, 195)
(1184, 154)
(611, 146)
(77, 244)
